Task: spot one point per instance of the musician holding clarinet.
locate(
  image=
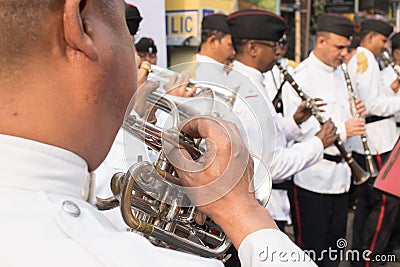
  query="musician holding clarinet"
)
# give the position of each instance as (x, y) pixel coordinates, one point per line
(321, 191)
(376, 211)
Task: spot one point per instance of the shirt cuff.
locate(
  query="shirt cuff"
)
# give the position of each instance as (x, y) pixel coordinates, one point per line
(341, 130)
(271, 247)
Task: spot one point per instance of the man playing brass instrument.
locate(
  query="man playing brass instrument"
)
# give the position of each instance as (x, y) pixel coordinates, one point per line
(67, 75)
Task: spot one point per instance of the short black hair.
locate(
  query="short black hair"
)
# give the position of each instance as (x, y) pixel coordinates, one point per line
(239, 44)
(364, 34)
(206, 33)
(21, 23)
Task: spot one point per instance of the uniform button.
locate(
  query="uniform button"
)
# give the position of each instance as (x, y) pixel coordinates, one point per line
(71, 208)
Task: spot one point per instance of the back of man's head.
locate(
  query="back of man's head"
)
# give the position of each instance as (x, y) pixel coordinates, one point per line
(213, 25)
(21, 25)
(67, 73)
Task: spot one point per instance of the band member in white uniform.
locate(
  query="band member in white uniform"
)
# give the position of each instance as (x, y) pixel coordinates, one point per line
(212, 62)
(321, 191)
(376, 211)
(256, 54)
(248, 40)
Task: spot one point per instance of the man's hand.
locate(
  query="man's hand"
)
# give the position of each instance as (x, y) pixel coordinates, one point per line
(327, 134)
(143, 69)
(179, 85)
(302, 113)
(361, 107)
(219, 183)
(355, 126)
(395, 85)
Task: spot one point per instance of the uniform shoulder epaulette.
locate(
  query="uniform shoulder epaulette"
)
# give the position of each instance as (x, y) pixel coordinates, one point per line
(362, 62)
(292, 63)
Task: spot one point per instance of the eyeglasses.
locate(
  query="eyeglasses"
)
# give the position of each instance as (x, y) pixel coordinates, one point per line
(271, 44)
(282, 43)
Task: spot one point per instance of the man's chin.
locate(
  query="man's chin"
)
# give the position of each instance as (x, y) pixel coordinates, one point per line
(271, 65)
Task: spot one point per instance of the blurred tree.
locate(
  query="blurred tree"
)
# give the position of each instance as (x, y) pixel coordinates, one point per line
(318, 8)
(269, 5)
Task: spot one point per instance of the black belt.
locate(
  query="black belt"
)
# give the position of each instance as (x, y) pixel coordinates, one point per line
(398, 124)
(337, 159)
(285, 185)
(374, 118)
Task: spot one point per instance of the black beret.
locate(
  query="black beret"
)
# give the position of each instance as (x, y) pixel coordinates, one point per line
(215, 22)
(335, 23)
(133, 18)
(146, 45)
(378, 26)
(396, 41)
(256, 24)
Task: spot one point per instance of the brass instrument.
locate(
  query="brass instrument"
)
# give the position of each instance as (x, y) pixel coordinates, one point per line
(387, 60)
(371, 167)
(150, 196)
(162, 75)
(358, 173)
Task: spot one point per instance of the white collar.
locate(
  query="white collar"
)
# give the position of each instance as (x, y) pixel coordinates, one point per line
(207, 59)
(253, 74)
(313, 58)
(31, 165)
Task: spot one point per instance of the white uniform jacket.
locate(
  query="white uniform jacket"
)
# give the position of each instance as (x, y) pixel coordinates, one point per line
(320, 80)
(278, 204)
(286, 161)
(47, 221)
(213, 71)
(368, 85)
(273, 80)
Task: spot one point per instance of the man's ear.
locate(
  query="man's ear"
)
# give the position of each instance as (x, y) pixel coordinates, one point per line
(78, 31)
(211, 40)
(369, 38)
(320, 41)
(252, 48)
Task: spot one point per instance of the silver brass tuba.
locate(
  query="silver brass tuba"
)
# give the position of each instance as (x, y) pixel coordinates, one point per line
(149, 195)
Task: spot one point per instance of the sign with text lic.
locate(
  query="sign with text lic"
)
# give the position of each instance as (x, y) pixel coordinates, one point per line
(182, 25)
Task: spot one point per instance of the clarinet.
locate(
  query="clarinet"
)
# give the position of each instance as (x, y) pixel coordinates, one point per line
(358, 173)
(387, 60)
(369, 161)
